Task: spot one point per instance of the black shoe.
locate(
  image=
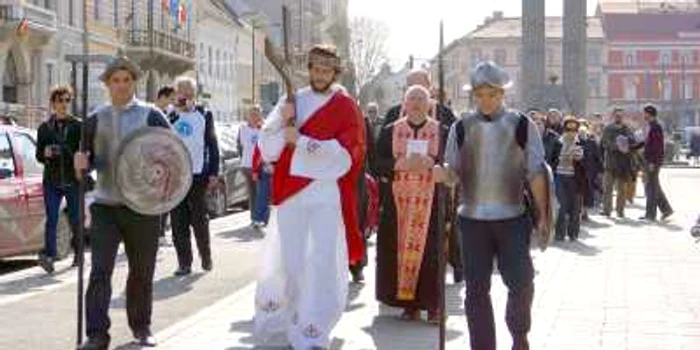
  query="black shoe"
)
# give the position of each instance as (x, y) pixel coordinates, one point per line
(667, 215)
(646, 218)
(96, 343)
(605, 213)
(207, 264)
(558, 238)
(620, 215)
(145, 338)
(46, 263)
(182, 271)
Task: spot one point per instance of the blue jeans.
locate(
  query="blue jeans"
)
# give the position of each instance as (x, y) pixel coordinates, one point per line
(261, 204)
(53, 196)
(509, 242)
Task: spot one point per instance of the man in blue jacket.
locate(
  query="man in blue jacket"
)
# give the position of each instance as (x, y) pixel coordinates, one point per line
(195, 126)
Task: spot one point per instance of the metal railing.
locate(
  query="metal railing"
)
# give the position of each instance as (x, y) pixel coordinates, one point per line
(163, 41)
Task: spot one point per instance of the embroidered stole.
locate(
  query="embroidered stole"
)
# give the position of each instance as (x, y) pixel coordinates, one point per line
(413, 195)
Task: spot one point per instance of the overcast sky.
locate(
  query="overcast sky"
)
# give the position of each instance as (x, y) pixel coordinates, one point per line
(414, 24)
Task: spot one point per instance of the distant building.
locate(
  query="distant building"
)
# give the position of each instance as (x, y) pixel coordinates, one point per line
(499, 39)
(386, 88)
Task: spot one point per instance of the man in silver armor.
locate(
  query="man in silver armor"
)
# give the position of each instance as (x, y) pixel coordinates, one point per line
(112, 220)
(496, 154)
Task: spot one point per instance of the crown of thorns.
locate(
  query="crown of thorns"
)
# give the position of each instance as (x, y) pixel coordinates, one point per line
(326, 56)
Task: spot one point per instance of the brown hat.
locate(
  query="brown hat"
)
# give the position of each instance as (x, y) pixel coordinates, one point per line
(121, 63)
(571, 119)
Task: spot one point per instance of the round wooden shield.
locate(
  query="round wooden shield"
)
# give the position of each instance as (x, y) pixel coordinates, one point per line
(153, 171)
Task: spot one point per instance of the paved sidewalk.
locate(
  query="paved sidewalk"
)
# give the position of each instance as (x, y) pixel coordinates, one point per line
(625, 285)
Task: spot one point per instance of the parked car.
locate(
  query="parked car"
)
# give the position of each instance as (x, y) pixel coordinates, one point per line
(22, 211)
(231, 189)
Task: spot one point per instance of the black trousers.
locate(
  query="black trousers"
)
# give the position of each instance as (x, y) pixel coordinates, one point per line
(110, 226)
(192, 212)
(508, 241)
(656, 198)
(569, 215)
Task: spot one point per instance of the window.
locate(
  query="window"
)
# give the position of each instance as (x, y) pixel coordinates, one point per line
(71, 12)
(594, 85)
(116, 13)
(27, 149)
(665, 58)
(7, 162)
(687, 57)
(630, 89)
(594, 56)
(688, 89)
(202, 58)
(49, 74)
(667, 87)
(218, 63)
(550, 57)
(476, 57)
(630, 59)
(97, 7)
(211, 58)
(499, 56)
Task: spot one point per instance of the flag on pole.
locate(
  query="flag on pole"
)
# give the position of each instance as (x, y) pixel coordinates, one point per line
(181, 15)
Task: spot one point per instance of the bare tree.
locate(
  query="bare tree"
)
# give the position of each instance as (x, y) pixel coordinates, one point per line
(368, 48)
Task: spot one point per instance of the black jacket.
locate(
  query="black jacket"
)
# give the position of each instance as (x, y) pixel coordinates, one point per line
(64, 135)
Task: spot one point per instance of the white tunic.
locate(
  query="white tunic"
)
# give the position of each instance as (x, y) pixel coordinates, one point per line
(302, 284)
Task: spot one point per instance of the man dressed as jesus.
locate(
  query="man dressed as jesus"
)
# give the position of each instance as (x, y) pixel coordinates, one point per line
(317, 147)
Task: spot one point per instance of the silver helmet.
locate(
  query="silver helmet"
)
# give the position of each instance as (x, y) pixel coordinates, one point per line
(488, 73)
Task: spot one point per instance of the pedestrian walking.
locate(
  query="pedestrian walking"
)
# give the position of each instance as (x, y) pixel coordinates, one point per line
(112, 221)
(408, 239)
(255, 176)
(494, 152)
(317, 145)
(195, 126)
(616, 142)
(653, 158)
(58, 139)
(570, 178)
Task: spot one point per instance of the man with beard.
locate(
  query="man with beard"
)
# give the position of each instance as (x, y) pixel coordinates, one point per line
(317, 144)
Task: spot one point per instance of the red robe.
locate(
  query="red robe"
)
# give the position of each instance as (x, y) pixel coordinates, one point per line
(339, 119)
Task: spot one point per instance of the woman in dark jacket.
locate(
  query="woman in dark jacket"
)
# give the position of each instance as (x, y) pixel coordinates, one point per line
(58, 138)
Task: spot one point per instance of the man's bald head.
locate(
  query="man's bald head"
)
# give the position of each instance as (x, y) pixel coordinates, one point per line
(418, 76)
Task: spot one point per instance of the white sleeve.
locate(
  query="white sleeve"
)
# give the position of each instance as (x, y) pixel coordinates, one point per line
(320, 160)
(271, 140)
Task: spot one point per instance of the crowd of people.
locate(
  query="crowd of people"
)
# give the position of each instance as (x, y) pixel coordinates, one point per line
(479, 184)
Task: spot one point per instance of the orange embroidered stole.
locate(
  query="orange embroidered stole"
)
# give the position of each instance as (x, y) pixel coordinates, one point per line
(413, 195)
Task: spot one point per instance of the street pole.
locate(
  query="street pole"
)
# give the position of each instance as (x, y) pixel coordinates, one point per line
(80, 246)
(150, 89)
(252, 90)
(443, 197)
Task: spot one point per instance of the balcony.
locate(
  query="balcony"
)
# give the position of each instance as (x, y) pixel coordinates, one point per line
(43, 23)
(169, 52)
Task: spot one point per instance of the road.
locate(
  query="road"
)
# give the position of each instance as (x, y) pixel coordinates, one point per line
(38, 312)
(625, 285)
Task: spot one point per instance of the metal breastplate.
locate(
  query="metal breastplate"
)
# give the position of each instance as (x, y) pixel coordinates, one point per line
(112, 127)
(493, 168)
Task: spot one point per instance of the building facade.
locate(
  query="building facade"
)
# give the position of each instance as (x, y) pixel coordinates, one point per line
(499, 39)
(654, 57)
